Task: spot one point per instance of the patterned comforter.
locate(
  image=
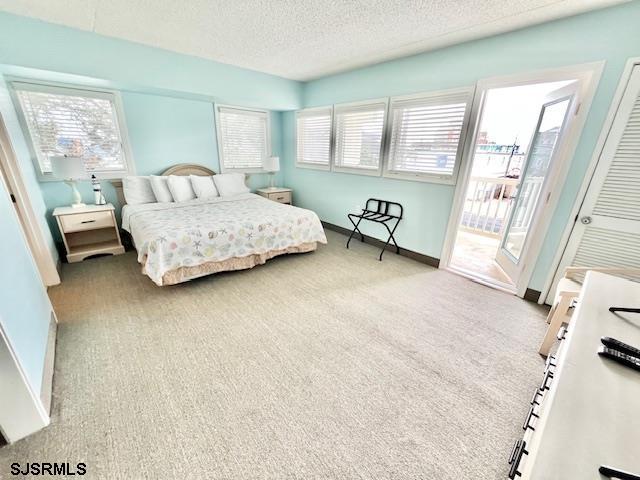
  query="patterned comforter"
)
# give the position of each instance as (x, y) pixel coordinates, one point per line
(173, 235)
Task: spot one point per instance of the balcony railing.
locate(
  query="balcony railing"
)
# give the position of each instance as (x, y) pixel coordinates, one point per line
(487, 205)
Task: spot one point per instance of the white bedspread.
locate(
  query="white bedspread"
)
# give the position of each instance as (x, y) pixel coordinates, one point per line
(172, 235)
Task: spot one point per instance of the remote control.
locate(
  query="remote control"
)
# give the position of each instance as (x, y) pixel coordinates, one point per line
(622, 358)
(620, 346)
(611, 472)
(624, 309)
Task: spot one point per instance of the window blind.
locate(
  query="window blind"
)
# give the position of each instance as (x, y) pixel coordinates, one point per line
(67, 121)
(313, 137)
(358, 135)
(243, 137)
(426, 134)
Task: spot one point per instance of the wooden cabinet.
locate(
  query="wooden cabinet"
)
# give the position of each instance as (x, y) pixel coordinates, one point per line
(88, 231)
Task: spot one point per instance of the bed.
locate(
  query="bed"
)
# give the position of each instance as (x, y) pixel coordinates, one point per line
(177, 242)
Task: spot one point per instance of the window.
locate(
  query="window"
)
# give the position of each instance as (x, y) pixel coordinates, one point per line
(427, 135)
(243, 138)
(313, 138)
(75, 122)
(358, 131)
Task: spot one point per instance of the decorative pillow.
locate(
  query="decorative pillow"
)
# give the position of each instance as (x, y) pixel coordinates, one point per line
(230, 184)
(137, 190)
(203, 186)
(160, 188)
(180, 188)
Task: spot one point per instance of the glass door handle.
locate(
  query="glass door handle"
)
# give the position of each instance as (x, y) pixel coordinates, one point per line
(586, 220)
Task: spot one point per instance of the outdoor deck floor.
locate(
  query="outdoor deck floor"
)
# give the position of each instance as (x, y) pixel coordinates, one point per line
(476, 253)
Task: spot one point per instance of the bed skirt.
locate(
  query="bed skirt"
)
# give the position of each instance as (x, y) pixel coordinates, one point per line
(184, 274)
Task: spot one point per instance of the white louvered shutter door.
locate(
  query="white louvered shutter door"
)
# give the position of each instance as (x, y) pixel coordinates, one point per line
(607, 231)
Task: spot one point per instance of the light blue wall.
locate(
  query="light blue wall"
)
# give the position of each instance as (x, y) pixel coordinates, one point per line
(25, 310)
(612, 34)
(165, 131)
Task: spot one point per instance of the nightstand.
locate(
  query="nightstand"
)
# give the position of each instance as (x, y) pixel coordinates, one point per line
(89, 230)
(277, 194)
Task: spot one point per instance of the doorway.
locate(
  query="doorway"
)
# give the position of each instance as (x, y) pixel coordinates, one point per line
(11, 179)
(519, 132)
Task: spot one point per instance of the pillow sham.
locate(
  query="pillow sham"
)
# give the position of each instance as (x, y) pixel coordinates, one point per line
(137, 190)
(230, 184)
(180, 188)
(160, 188)
(203, 186)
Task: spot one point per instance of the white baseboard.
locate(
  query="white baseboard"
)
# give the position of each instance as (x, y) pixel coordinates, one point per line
(49, 364)
(21, 410)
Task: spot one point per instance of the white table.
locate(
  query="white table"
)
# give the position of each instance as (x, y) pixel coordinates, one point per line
(591, 415)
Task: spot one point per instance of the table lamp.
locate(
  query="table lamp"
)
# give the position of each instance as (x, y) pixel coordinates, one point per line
(272, 165)
(70, 169)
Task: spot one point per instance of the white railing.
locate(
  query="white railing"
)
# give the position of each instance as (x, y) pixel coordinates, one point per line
(530, 190)
(487, 206)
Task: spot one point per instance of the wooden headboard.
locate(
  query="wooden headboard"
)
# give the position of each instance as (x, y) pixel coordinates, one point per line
(188, 169)
(182, 169)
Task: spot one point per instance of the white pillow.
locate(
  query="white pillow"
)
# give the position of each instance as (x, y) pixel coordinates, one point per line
(230, 184)
(137, 190)
(160, 188)
(180, 188)
(203, 186)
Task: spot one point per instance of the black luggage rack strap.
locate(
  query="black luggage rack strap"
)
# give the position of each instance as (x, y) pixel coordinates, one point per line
(378, 211)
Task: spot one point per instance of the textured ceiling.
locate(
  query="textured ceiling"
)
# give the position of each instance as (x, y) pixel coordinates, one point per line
(299, 39)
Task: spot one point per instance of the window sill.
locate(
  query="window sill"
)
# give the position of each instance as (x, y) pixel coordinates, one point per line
(244, 170)
(313, 166)
(48, 177)
(420, 177)
(358, 171)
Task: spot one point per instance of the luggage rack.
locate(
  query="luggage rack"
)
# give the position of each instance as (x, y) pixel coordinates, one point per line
(378, 211)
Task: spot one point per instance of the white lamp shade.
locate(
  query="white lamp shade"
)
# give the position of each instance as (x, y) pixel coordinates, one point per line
(272, 164)
(68, 168)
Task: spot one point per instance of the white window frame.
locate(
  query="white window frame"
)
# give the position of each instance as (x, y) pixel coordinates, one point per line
(315, 166)
(423, 176)
(223, 168)
(113, 96)
(354, 170)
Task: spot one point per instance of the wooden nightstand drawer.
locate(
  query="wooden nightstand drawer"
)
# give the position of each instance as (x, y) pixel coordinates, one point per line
(86, 221)
(282, 197)
(277, 194)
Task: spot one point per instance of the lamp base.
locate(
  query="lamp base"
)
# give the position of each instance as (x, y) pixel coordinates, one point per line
(76, 198)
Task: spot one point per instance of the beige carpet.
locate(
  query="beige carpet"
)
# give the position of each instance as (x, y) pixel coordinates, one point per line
(324, 365)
